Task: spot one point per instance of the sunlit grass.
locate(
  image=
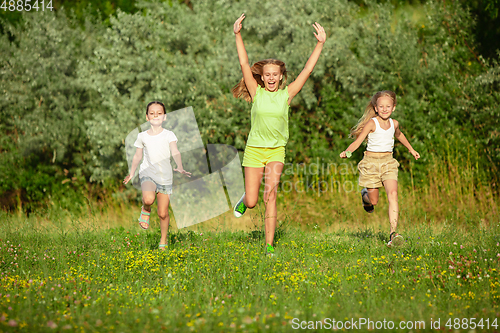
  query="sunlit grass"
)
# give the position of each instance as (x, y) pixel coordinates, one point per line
(116, 279)
(100, 272)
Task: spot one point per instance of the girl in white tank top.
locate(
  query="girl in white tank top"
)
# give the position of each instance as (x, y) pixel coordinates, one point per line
(378, 168)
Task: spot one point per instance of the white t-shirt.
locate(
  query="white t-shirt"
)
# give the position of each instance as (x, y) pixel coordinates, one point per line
(156, 156)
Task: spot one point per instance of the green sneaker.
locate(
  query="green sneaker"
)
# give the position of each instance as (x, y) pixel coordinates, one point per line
(240, 208)
(269, 250)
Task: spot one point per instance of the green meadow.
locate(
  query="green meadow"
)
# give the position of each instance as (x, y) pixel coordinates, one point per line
(75, 82)
(102, 273)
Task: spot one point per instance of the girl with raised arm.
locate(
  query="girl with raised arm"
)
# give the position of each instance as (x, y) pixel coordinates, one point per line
(264, 84)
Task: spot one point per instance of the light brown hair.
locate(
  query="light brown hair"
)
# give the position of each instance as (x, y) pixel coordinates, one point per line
(370, 112)
(240, 90)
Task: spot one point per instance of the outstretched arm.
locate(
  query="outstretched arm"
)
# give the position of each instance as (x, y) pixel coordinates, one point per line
(355, 145)
(402, 138)
(135, 162)
(242, 55)
(296, 86)
(177, 158)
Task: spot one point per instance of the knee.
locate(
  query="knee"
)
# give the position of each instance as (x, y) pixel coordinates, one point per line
(270, 196)
(373, 197)
(163, 214)
(148, 200)
(250, 202)
(393, 196)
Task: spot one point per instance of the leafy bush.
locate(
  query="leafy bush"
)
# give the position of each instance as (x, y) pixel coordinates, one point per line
(73, 94)
(44, 109)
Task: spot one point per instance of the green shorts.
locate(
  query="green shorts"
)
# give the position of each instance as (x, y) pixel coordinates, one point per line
(259, 157)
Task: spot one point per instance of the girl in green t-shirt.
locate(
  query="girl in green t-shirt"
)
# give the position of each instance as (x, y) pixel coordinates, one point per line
(263, 84)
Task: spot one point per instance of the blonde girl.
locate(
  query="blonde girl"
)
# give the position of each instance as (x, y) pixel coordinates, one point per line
(378, 168)
(156, 145)
(264, 84)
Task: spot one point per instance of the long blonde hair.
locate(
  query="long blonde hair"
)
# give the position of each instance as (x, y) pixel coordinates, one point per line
(370, 112)
(240, 90)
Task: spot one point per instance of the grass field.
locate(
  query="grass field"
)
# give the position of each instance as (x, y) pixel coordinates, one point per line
(102, 273)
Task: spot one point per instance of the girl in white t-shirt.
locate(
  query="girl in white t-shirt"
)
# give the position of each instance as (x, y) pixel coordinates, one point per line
(378, 168)
(154, 147)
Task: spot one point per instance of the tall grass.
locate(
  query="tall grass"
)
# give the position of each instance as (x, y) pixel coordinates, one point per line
(452, 190)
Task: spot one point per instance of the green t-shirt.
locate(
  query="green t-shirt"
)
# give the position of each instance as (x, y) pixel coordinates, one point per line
(269, 119)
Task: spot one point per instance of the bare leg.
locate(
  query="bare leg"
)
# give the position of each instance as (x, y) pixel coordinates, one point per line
(148, 198)
(391, 188)
(163, 202)
(253, 178)
(272, 179)
(372, 196)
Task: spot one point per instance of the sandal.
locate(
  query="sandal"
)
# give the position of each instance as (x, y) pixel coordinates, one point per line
(366, 205)
(395, 239)
(141, 220)
(162, 247)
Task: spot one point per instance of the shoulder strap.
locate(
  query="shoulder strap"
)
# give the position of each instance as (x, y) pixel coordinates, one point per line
(392, 123)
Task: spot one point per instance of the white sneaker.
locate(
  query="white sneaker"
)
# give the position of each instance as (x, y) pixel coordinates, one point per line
(396, 240)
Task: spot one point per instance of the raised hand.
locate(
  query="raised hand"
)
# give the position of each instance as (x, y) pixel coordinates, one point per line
(237, 25)
(320, 32)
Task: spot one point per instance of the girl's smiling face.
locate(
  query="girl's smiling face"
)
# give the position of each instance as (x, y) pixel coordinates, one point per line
(385, 107)
(155, 114)
(271, 75)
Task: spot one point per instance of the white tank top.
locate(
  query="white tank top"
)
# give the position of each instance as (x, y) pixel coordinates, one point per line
(380, 140)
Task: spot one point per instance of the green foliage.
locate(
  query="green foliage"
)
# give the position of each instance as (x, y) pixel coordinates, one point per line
(45, 107)
(72, 94)
(81, 10)
(487, 27)
(101, 9)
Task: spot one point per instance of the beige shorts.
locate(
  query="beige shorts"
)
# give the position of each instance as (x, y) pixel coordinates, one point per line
(375, 169)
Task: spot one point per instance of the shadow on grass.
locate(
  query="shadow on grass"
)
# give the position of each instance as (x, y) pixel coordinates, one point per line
(257, 235)
(368, 234)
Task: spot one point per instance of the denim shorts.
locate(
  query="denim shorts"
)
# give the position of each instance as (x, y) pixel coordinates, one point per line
(158, 188)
